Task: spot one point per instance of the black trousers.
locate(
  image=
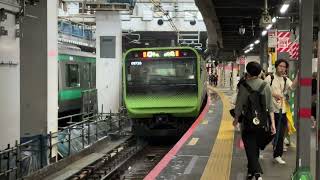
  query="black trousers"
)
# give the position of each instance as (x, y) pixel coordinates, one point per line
(250, 140)
(281, 126)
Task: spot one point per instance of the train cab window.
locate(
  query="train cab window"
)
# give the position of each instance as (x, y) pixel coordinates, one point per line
(73, 75)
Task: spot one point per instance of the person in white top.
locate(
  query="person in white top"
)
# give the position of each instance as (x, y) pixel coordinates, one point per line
(280, 86)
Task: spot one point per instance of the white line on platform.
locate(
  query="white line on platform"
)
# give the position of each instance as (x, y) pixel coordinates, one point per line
(191, 165)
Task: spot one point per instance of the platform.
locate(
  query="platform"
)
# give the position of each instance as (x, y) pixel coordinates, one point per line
(209, 150)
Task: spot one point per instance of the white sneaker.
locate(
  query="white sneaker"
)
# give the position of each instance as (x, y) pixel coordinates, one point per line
(286, 141)
(279, 160)
(258, 177)
(285, 148)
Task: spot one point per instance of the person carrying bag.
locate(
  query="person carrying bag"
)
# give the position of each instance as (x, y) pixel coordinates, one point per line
(255, 108)
(280, 86)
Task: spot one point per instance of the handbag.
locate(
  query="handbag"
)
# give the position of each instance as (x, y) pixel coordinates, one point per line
(233, 114)
(265, 135)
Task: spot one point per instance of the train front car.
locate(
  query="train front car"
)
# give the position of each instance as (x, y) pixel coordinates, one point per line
(163, 89)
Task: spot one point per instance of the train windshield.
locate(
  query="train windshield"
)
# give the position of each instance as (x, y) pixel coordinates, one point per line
(162, 74)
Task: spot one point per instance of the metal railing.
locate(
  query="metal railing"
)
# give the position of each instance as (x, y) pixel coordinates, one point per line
(23, 159)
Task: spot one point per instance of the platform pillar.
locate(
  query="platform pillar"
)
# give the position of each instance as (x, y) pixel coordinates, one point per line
(318, 105)
(39, 73)
(263, 53)
(302, 170)
(9, 77)
(109, 60)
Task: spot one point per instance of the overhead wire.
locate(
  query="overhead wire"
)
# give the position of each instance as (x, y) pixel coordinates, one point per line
(173, 26)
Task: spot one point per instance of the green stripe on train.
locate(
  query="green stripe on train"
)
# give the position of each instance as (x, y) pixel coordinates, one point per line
(70, 94)
(153, 101)
(67, 57)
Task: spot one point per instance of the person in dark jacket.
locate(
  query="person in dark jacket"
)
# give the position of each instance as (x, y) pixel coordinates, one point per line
(251, 139)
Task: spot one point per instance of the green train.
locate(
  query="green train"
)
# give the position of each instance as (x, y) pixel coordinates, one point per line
(77, 73)
(163, 88)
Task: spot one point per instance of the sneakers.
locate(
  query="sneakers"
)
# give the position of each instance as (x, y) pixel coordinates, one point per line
(261, 156)
(279, 160)
(258, 176)
(285, 148)
(286, 142)
(249, 177)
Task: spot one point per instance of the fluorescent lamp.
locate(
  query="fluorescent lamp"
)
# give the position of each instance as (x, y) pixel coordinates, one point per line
(264, 32)
(269, 27)
(284, 8)
(274, 20)
(257, 41)
(251, 45)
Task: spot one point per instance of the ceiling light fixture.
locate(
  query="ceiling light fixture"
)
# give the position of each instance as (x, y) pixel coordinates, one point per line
(257, 41)
(269, 27)
(284, 8)
(274, 20)
(264, 32)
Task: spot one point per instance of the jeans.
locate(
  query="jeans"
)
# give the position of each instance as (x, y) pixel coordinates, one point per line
(281, 126)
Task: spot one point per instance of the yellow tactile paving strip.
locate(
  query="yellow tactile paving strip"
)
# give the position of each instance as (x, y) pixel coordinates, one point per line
(219, 163)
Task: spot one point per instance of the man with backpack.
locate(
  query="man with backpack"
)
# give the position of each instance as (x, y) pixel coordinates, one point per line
(254, 110)
(280, 85)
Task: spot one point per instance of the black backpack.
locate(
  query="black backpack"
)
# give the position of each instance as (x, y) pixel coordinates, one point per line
(255, 111)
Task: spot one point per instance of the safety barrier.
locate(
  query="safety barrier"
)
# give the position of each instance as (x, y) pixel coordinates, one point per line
(23, 159)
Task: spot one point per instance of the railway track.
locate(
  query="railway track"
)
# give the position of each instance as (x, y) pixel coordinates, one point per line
(130, 161)
(147, 159)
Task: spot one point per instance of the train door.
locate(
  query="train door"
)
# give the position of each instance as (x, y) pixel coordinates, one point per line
(86, 76)
(93, 75)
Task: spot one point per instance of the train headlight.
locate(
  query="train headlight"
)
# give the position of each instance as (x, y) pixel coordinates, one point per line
(191, 77)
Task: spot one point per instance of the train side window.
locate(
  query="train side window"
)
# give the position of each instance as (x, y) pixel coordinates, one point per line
(73, 75)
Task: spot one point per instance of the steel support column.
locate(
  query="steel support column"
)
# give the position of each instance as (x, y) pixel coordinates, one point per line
(318, 105)
(263, 54)
(317, 115)
(302, 170)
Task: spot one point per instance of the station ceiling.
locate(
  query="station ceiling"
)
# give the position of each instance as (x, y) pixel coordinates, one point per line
(229, 15)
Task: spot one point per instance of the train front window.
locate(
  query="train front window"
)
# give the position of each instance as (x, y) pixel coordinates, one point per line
(73, 75)
(157, 74)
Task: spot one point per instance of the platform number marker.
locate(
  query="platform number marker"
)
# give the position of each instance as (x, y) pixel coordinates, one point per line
(204, 121)
(193, 141)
